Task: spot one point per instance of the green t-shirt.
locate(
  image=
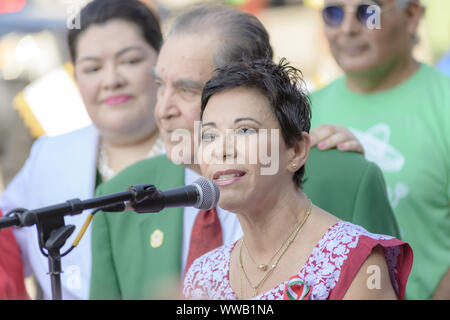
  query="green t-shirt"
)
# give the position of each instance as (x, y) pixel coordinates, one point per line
(406, 131)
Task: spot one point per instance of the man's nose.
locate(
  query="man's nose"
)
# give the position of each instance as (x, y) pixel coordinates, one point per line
(350, 24)
(166, 104)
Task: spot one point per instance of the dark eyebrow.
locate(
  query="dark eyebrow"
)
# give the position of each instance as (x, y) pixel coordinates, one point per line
(181, 83)
(86, 59)
(188, 83)
(212, 124)
(117, 54)
(247, 118)
(124, 50)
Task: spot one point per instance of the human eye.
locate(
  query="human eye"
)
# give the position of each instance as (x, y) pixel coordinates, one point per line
(188, 92)
(132, 61)
(208, 136)
(158, 83)
(91, 69)
(245, 130)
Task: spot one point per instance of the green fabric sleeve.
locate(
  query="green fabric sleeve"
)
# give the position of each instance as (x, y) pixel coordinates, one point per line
(351, 188)
(372, 197)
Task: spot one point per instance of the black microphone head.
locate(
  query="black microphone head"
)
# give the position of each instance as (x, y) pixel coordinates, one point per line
(209, 193)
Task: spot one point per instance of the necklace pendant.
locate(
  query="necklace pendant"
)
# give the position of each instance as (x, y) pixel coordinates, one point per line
(263, 267)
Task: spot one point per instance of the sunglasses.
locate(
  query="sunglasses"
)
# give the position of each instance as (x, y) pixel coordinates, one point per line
(333, 15)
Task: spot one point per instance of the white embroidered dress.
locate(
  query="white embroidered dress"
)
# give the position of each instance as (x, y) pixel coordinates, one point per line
(328, 271)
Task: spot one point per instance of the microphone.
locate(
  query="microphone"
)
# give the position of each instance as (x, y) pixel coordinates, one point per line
(202, 194)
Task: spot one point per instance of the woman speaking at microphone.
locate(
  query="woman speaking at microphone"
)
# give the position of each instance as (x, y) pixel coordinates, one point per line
(291, 248)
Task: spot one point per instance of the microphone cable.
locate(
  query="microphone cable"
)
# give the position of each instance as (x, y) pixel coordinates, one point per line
(113, 208)
(82, 231)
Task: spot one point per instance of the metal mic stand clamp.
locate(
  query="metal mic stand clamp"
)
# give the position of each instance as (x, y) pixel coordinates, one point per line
(146, 198)
(52, 231)
(52, 235)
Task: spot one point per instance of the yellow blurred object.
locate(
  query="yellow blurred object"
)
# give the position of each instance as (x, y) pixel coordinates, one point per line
(30, 120)
(437, 23)
(70, 69)
(316, 4)
(52, 104)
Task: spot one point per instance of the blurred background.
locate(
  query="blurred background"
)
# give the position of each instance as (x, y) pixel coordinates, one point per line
(35, 73)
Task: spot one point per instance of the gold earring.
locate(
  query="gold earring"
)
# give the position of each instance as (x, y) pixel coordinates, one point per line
(294, 166)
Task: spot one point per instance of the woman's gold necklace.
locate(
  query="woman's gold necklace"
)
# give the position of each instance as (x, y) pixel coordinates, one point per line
(286, 244)
(263, 267)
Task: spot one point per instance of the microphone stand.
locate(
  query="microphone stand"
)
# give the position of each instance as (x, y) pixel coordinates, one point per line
(52, 231)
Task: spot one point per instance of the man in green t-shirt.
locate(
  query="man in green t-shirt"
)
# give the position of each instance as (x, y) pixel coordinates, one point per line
(400, 111)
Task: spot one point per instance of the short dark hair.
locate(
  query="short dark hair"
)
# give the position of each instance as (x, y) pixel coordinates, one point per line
(239, 33)
(281, 84)
(101, 11)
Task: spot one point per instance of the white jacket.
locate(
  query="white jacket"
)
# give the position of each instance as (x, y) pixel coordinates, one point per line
(58, 169)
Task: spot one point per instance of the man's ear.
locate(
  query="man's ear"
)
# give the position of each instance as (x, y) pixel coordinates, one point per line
(414, 12)
(300, 152)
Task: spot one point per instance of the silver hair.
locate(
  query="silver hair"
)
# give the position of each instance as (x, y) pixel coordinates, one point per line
(239, 33)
